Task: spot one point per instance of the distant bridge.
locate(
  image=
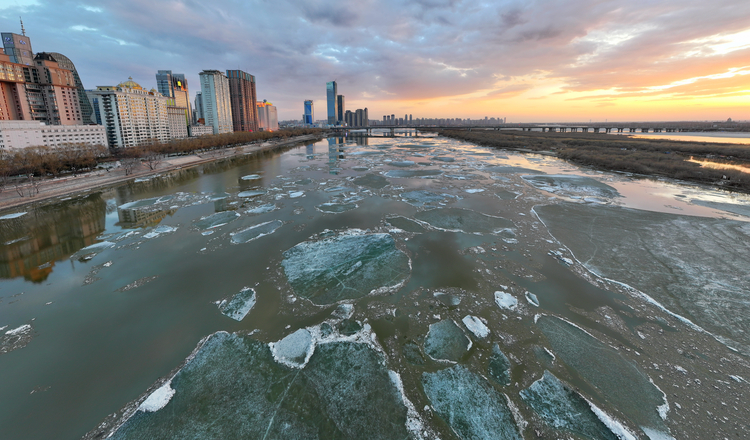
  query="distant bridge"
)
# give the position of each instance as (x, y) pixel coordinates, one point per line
(618, 127)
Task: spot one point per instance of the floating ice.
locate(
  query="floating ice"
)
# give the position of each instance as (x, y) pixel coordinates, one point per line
(137, 283)
(413, 173)
(296, 194)
(405, 224)
(422, 198)
(446, 341)
(12, 216)
(463, 220)
(347, 266)
(403, 163)
(510, 170)
(476, 326)
(572, 185)
(251, 193)
(251, 177)
(619, 380)
(443, 158)
(16, 338)
(447, 298)
(505, 300)
(344, 391)
(374, 181)
(336, 208)
(262, 209)
(295, 349)
(532, 299)
(90, 252)
(159, 230)
(506, 195)
(474, 190)
(256, 231)
(240, 304)
(158, 399)
(470, 406)
(564, 409)
(216, 220)
(499, 366)
(689, 265)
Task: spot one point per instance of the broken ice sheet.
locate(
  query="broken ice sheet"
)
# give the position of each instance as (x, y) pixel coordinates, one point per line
(405, 224)
(413, 173)
(347, 266)
(422, 198)
(505, 300)
(694, 267)
(240, 305)
(216, 220)
(470, 406)
(16, 338)
(262, 209)
(336, 207)
(620, 381)
(564, 409)
(572, 185)
(256, 231)
(499, 366)
(90, 252)
(374, 181)
(476, 326)
(345, 391)
(295, 349)
(446, 341)
(463, 220)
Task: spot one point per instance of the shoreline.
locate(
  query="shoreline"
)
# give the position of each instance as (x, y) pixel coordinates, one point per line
(97, 179)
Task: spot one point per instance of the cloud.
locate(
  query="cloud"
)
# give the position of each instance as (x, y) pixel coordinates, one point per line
(394, 50)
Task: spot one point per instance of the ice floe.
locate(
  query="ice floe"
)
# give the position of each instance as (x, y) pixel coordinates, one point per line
(295, 349)
(463, 220)
(256, 231)
(499, 366)
(347, 266)
(158, 399)
(240, 305)
(446, 342)
(469, 405)
(12, 216)
(505, 300)
(476, 326)
(216, 220)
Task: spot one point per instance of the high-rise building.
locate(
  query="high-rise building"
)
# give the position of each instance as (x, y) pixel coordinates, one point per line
(244, 103)
(217, 106)
(87, 111)
(340, 109)
(18, 48)
(131, 115)
(267, 116)
(198, 113)
(175, 86)
(308, 115)
(331, 94)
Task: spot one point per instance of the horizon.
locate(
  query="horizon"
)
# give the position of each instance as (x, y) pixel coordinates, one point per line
(527, 62)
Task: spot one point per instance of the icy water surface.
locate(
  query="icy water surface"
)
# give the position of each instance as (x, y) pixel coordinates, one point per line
(368, 288)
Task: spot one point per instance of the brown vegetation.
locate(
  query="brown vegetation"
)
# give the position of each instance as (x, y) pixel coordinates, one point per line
(641, 156)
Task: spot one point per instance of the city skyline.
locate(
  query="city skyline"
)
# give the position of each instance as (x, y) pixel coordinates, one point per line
(572, 61)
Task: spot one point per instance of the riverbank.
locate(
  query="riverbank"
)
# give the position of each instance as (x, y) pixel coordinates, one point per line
(65, 186)
(648, 157)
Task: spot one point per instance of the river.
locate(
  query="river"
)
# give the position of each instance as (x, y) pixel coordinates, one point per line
(378, 288)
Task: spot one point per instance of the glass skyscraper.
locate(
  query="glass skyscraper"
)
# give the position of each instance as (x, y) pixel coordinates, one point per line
(331, 95)
(308, 116)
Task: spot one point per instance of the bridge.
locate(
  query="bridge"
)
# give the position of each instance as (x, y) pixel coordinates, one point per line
(616, 127)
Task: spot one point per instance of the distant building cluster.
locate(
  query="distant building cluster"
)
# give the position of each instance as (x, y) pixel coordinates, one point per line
(408, 120)
(336, 112)
(43, 103)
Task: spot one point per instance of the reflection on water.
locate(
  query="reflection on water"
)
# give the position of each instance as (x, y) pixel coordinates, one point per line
(33, 243)
(718, 137)
(720, 165)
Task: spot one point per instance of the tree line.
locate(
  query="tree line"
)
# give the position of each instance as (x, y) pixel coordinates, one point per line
(31, 164)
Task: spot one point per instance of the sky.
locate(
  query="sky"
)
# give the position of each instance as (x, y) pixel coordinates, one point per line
(524, 60)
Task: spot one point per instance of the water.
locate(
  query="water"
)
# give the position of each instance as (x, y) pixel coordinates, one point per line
(713, 137)
(377, 288)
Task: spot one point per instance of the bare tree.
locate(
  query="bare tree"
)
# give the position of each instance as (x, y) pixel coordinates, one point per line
(129, 164)
(153, 159)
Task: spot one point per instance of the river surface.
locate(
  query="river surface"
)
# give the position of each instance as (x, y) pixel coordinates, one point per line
(407, 287)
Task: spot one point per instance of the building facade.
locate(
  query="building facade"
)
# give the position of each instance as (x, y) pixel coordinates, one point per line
(23, 134)
(87, 111)
(176, 116)
(331, 94)
(201, 130)
(198, 109)
(308, 117)
(340, 109)
(244, 101)
(175, 86)
(217, 106)
(131, 115)
(267, 115)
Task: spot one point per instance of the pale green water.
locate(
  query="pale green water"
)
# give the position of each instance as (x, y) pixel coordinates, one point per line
(386, 226)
